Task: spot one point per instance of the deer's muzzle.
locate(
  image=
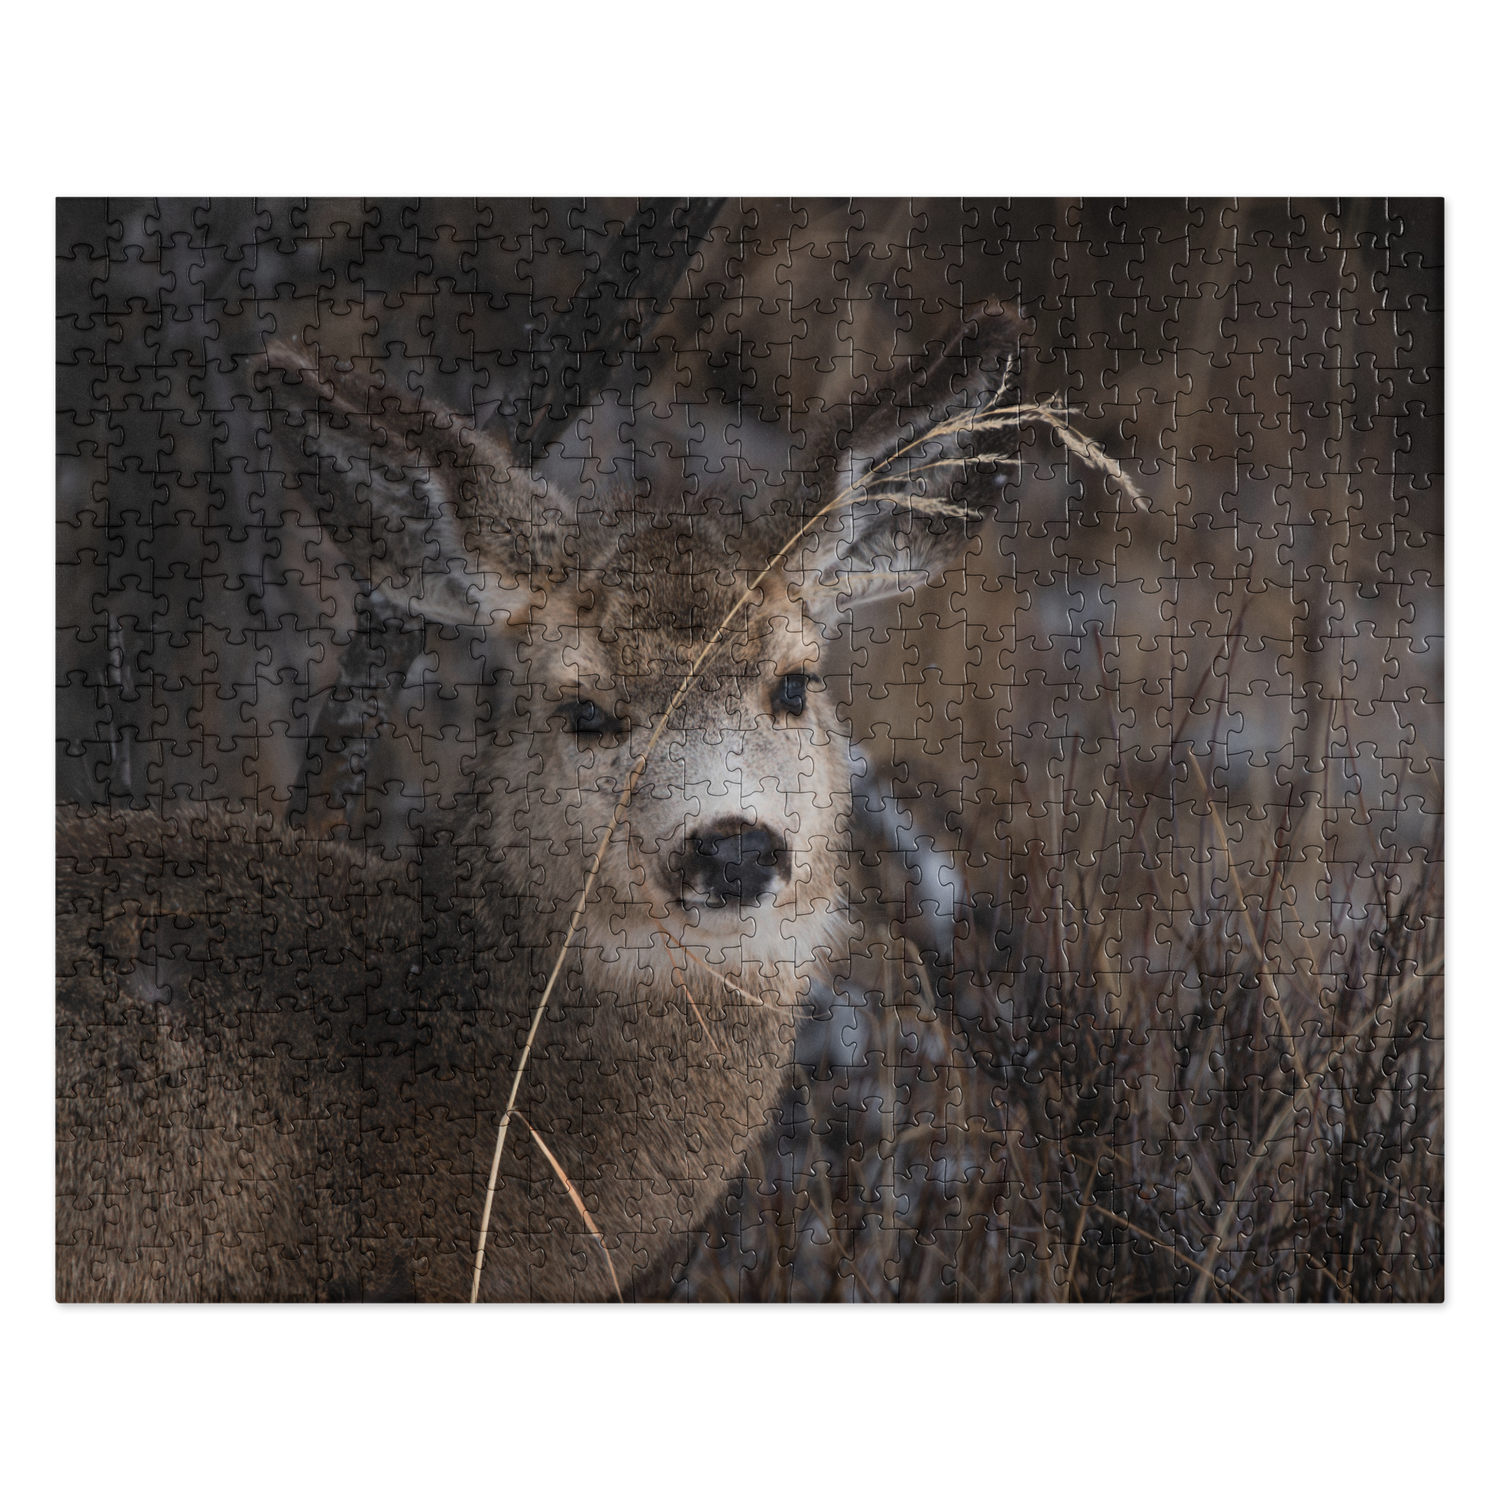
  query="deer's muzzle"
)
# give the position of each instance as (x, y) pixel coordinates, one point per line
(731, 863)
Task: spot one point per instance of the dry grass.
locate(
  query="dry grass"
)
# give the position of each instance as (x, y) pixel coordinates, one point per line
(1237, 1100)
(575, 1199)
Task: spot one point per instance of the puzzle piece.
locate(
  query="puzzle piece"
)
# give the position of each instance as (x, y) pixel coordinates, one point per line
(895, 745)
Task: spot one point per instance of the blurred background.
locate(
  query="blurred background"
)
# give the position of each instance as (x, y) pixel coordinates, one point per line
(1146, 849)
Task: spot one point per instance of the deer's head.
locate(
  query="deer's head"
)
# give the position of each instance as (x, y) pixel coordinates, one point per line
(676, 650)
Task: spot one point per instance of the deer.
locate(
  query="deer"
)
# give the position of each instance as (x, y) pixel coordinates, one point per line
(288, 1065)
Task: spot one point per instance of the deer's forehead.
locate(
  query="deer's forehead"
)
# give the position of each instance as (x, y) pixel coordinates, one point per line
(609, 648)
(666, 601)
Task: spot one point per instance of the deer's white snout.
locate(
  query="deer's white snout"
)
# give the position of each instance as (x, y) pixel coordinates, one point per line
(729, 848)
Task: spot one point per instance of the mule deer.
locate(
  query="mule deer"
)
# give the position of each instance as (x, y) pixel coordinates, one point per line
(283, 1058)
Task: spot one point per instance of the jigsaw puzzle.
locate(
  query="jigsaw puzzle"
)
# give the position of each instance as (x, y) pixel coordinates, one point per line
(749, 750)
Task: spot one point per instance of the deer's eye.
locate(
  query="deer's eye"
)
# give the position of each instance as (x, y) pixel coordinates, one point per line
(586, 717)
(790, 696)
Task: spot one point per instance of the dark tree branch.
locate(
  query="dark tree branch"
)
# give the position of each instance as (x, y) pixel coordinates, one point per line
(612, 316)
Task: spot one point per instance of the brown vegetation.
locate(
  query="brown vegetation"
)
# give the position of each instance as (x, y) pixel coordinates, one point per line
(1074, 1103)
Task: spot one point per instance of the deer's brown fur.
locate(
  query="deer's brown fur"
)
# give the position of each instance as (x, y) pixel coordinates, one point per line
(282, 1057)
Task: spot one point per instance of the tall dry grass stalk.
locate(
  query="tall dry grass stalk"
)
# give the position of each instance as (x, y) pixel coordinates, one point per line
(999, 414)
(576, 1198)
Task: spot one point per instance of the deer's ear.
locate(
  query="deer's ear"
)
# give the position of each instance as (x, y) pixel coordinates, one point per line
(900, 475)
(435, 516)
(879, 552)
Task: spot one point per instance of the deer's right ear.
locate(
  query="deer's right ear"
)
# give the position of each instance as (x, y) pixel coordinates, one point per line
(882, 551)
(897, 475)
(435, 515)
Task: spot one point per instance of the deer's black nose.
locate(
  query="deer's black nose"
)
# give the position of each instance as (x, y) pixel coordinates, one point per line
(728, 863)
